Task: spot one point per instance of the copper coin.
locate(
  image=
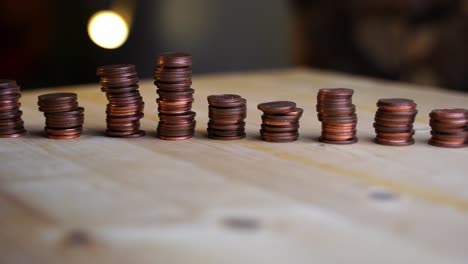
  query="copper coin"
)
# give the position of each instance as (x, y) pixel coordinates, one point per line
(280, 129)
(338, 142)
(227, 138)
(277, 107)
(235, 126)
(57, 97)
(174, 59)
(280, 139)
(115, 69)
(386, 129)
(63, 137)
(437, 124)
(451, 130)
(388, 142)
(396, 104)
(453, 113)
(336, 91)
(445, 144)
(14, 135)
(73, 130)
(174, 138)
(4, 83)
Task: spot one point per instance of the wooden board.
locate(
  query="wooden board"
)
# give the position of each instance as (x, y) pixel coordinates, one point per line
(106, 200)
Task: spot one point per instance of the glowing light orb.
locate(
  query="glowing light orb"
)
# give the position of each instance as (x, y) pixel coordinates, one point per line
(107, 29)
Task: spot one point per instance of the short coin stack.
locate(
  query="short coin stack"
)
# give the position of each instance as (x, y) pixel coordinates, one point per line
(280, 121)
(11, 123)
(227, 113)
(173, 77)
(337, 113)
(64, 117)
(449, 128)
(126, 106)
(394, 122)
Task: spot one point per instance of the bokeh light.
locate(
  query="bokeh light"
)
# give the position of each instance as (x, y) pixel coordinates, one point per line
(107, 29)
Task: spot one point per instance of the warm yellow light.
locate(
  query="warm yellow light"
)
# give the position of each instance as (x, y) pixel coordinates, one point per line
(108, 29)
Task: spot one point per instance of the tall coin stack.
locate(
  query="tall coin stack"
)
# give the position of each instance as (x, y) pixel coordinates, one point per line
(126, 106)
(11, 123)
(280, 121)
(337, 113)
(394, 122)
(64, 117)
(173, 77)
(227, 113)
(449, 128)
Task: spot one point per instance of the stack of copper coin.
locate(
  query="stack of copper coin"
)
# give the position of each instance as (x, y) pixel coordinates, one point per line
(11, 123)
(449, 128)
(125, 107)
(280, 121)
(394, 122)
(227, 113)
(173, 77)
(64, 117)
(337, 113)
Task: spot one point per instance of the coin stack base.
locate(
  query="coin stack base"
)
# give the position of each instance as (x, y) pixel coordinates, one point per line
(338, 116)
(125, 104)
(64, 117)
(11, 123)
(227, 113)
(280, 121)
(394, 122)
(449, 128)
(173, 77)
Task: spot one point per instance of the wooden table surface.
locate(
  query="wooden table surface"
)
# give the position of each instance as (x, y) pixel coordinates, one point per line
(107, 200)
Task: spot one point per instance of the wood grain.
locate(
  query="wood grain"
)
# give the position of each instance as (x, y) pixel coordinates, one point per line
(105, 200)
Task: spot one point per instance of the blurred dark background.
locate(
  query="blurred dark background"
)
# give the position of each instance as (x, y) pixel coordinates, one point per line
(45, 42)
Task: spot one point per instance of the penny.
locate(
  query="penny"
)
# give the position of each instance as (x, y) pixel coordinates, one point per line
(269, 128)
(277, 107)
(336, 92)
(444, 144)
(115, 69)
(388, 142)
(338, 142)
(227, 138)
(453, 113)
(174, 138)
(16, 134)
(63, 137)
(174, 59)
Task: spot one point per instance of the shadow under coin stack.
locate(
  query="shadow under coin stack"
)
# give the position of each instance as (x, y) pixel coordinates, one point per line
(280, 121)
(126, 106)
(173, 77)
(227, 113)
(449, 128)
(64, 118)
(11, 123)
(394, 122)
(337, 113)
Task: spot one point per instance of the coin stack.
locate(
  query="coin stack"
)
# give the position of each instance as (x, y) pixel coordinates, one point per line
(227, 113)
(125, 107)
(173, 77)
(337, 113)
(394, 121)
(280, 121)
(11, 123)
(449, 128)
(64, 117)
